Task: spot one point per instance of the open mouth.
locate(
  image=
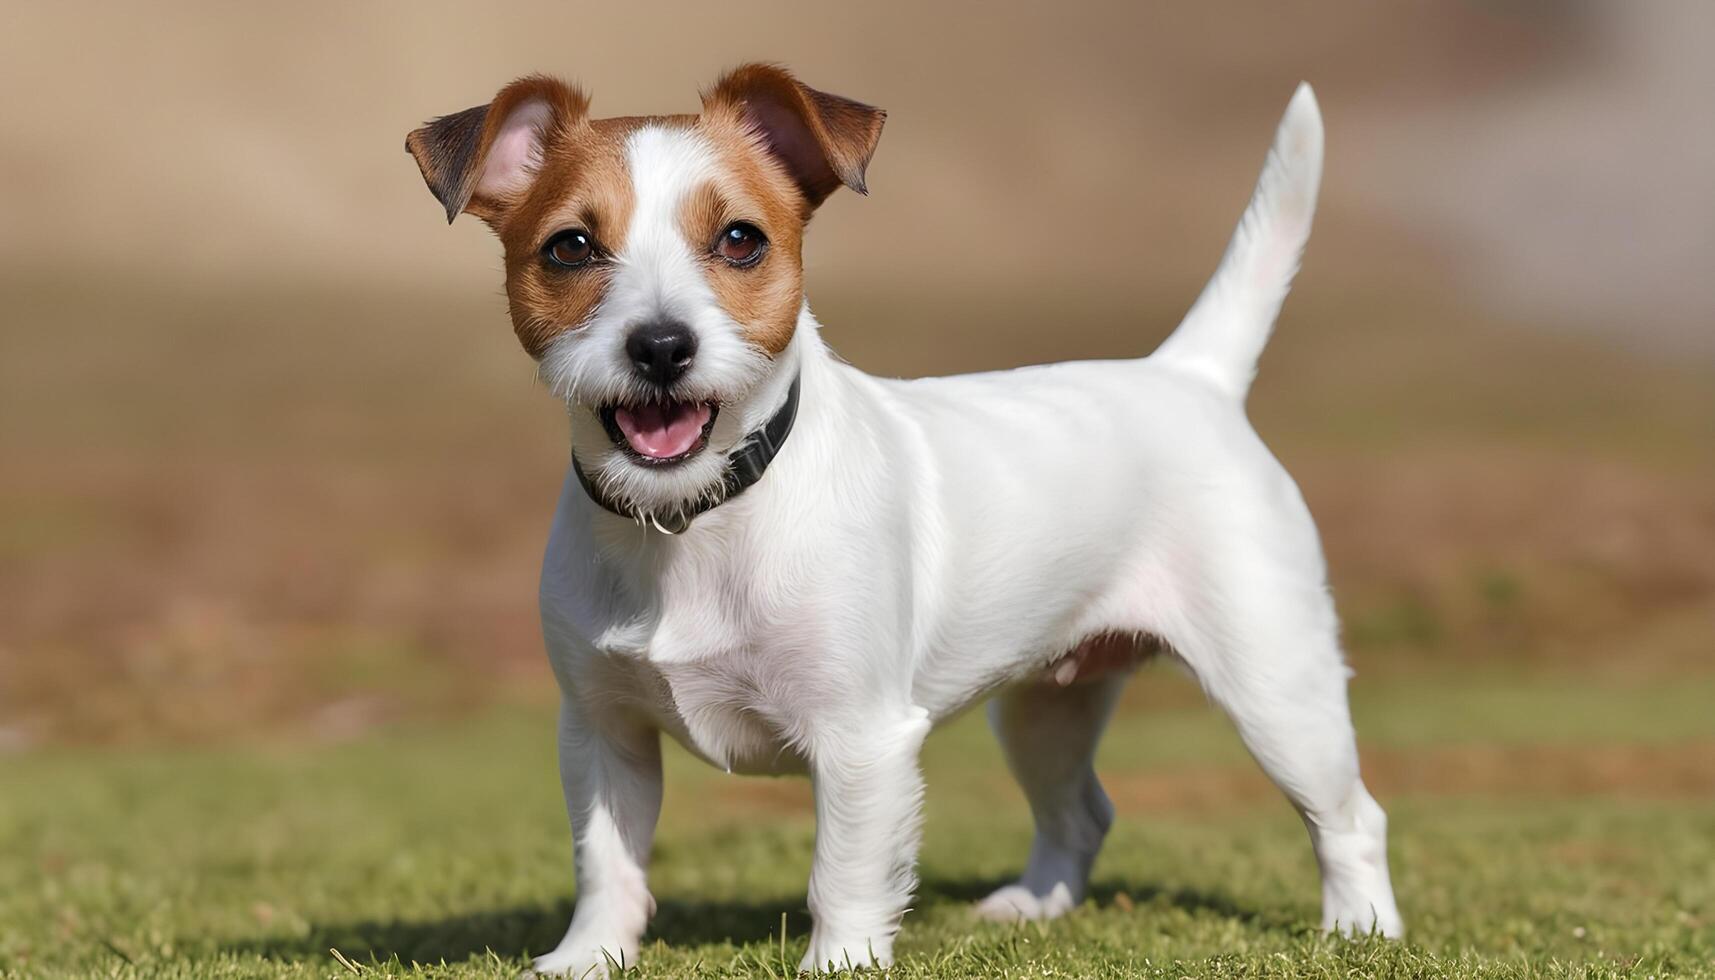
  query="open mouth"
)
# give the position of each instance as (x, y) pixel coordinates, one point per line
(660, 433)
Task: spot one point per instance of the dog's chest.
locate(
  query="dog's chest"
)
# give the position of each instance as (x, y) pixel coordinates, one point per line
(735, 695)
(739, 642)
(724, 712)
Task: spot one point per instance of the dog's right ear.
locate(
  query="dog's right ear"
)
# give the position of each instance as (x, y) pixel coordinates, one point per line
(481, 159)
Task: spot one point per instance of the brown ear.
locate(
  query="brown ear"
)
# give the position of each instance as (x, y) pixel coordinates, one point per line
(479, 159)
(823, 140)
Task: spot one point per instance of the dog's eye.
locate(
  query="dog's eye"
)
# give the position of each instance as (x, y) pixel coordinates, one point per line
(570, 248)
(741, 244)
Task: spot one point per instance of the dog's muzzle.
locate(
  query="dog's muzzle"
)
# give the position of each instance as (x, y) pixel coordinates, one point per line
(744, 466)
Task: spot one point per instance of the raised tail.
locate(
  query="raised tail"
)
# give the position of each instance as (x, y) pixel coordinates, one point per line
(1223, 335)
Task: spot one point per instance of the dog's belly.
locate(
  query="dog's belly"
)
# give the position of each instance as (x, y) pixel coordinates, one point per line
(1101, 656)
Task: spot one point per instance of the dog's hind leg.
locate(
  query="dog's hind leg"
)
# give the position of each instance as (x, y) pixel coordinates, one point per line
(1269, 656)
(1049, 735)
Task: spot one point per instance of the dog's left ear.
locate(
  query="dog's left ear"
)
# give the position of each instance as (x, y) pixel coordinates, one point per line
(822, 140)
(480, 160)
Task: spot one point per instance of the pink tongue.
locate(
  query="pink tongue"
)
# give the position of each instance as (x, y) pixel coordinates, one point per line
(663, 431)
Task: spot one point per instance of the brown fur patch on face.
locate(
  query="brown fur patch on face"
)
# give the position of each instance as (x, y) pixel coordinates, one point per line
(783, 147)
(764, 299)
(584, 183)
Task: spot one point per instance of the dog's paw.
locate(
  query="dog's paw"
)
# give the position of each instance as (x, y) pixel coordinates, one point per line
(1358, 917)
(582, 961)
(831, 955)
(1016, 903)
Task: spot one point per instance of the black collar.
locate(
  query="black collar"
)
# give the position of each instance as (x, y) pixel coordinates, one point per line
(744, 466)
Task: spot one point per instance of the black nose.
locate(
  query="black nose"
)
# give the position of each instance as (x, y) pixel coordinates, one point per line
(662, 350)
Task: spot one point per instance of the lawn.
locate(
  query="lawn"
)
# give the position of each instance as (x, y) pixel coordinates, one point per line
(1556, 825)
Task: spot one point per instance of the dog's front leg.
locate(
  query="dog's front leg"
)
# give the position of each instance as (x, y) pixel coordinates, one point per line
(610, 769)
(869, 797)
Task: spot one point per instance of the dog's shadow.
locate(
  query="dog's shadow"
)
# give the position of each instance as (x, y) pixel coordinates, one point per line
(677, 922)
(516, 930)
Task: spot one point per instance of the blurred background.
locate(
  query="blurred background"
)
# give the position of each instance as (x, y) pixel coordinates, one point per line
(272, 464)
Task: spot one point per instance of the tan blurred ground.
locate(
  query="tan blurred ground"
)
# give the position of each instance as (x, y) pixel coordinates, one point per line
(269, 455)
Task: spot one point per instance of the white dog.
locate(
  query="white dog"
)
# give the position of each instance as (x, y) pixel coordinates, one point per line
(789, 565)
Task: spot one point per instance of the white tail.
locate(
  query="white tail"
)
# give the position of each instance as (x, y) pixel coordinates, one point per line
(1223, 335)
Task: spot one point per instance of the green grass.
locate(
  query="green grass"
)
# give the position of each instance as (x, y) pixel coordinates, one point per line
(447, 847)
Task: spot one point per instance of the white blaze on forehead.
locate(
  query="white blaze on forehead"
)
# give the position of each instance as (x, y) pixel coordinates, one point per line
(659, 267)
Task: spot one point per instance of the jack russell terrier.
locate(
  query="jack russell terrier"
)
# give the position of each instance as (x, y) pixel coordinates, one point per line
(791, 566)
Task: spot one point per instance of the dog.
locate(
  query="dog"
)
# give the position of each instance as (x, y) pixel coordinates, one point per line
(788, 565)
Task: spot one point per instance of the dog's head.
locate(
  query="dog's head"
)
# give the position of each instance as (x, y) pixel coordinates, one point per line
(653, 263)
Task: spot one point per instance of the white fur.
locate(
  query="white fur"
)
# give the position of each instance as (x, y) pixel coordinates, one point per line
(921, 546)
